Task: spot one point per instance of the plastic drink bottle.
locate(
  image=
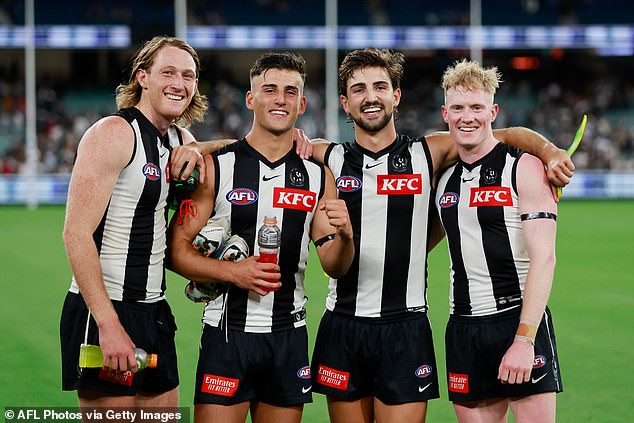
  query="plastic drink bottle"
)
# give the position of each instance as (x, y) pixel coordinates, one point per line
(269, 240)
(182, 189)
(91, 356)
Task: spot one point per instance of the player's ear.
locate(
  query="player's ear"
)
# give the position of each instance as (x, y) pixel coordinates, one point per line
(344, 104)
(249, 100)
(141, 78)
(494, 111)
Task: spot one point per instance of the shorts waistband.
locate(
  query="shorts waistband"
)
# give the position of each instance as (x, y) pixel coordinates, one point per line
(399, 317)
(508, 314)
(135, 305)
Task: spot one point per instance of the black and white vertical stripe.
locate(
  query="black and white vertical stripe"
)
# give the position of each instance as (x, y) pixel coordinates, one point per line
(388, 276)
(241, 167)
(489, 262)
(131, 237)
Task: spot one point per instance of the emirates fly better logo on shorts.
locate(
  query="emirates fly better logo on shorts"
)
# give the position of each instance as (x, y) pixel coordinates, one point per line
(459, 383)
(219, 385)
(332, 377)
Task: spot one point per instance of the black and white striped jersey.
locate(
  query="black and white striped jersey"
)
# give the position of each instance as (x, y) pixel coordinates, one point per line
(388, 195)
(131, 237)
(248, 188)
(478, 206)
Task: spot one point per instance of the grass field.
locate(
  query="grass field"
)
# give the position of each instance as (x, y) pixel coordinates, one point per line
(592, 303)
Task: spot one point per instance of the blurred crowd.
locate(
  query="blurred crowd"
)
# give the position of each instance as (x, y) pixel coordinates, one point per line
(551, 110)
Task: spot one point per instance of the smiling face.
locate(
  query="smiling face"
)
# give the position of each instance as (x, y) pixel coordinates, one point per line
(370, 99)
(276, 98)
(469, 114)
(168, 86)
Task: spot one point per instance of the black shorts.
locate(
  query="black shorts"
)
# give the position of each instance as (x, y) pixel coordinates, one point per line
(474, 350)
(392, 360)
(237, 366)
(151, 326)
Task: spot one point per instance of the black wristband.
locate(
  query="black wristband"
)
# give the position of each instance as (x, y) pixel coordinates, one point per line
(322, 241)
(538, 215)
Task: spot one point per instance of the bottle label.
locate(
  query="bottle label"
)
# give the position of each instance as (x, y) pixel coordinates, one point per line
(116, 376)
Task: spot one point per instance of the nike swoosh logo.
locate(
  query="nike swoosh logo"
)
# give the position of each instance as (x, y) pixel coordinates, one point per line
(306, 390)
(268, 178)
(369, 166)
(538, 379)
(163, 155)
(468, 180)
(422, 388)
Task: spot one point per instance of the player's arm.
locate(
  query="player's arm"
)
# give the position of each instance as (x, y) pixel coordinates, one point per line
(191, 154)
(103, 152)
(538, 210)
(188, 262)
(436, 230)
(331, 231)
(559, 166)
(558, 163)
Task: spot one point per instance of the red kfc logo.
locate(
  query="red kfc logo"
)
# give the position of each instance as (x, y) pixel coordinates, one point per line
(490, 196)
(399, 184)
(296, 199)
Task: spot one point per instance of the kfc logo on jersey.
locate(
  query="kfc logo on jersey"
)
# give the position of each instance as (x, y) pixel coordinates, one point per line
(242, 196)
(448, 199)
(304, 372)
(491, 196)
(423, 371)
(348, 183)
(399, 184)
(151, 171)
(540, 361)
(296, 199)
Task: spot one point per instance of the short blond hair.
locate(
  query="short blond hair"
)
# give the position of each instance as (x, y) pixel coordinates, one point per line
(471, 75)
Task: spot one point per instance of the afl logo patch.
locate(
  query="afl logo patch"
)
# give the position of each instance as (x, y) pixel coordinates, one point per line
(151, 171)
(304, 373)
(539, 361)
(448, 199)
(423, 371)
(348, 183)
(242, 196)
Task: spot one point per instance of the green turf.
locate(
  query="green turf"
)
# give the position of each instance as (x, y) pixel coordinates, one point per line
(592, 303)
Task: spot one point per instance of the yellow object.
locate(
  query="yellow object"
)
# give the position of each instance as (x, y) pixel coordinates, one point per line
(91, 356)
(575, 143)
